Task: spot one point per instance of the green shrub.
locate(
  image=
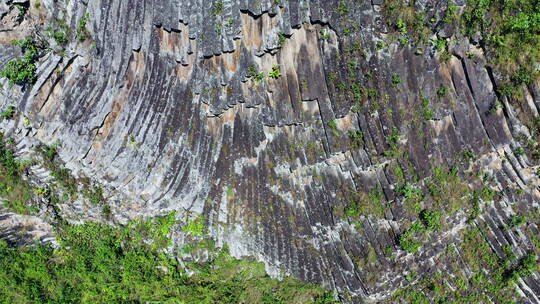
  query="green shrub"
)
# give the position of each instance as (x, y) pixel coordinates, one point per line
(342, 8)
(431, 219)
(274, 73)
(407, 239)
(9, 112)
(81, 28)
(510, 31)
(396, 80)
(356, 139)
(22, 71)
(332, 124)
(441, 92)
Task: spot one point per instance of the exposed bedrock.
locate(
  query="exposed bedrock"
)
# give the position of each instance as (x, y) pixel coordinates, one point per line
(162, 106)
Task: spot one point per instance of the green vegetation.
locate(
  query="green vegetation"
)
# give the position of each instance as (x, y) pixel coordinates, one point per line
(510, 34)
(431, 219)
(396, 80)
(427, 113)
(218, 8)
(447, 191)
(23, 198)
(96, 263)
(450, 15)
(195, 227)
(59, 33)
(61, 174)
(441, 92)
(332, 124)
(324, 34)
(356, 139)
(407, 239)
(23, 9)
(342, 8)
(22, 71)
(406, 21)
(468, 155)
(17, 194)
(413, 196)
(254, 74)
(516, 221)
(81, 28)
(281, 39)
(489, 279)
(274, 73)
(393, 143)
(9, 112)
(363, 204)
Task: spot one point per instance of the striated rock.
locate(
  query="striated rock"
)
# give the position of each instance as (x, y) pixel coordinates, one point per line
(161, 105)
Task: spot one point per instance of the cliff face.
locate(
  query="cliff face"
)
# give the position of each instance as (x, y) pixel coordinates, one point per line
(302, 131)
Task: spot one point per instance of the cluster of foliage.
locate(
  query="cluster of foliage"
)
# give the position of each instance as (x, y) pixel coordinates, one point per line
(363, 204)
(393, 139)
(356, 139)
(510, 33)
(274, 73)
(97, 263)
(253, 73)
(15, 191)
(23, 70)
(429, 220)
(59, 32)
(21, 197)
(427, 112)
(489, 278)
(81, 27)
(65, 181)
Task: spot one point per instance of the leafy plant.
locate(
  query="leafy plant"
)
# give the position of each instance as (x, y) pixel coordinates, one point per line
(274, 73)
(218, 8)
(281, 39)
(427, 113)
(22, 71)
(395, 80)
(431, 219)
(9, 112)
(441, 92)
(254, 74)
(342, 8)
(195, 226)
(332, 124)
(81, 28)
(406, 239)
(356, 139)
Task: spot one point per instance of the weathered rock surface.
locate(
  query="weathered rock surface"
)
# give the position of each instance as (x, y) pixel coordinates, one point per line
(158, 106)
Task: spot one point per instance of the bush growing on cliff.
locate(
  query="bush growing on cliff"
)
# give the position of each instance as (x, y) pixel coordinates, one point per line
(274, 73)
(22, 71)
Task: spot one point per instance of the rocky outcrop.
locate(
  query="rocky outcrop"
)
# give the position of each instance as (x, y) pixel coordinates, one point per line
(161, 103)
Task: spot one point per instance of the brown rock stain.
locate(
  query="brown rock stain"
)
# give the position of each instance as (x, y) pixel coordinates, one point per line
(136, 69)
(252, 32)
(169, 41)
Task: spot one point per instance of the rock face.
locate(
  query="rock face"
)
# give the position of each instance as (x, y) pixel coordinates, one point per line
(161, 103)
